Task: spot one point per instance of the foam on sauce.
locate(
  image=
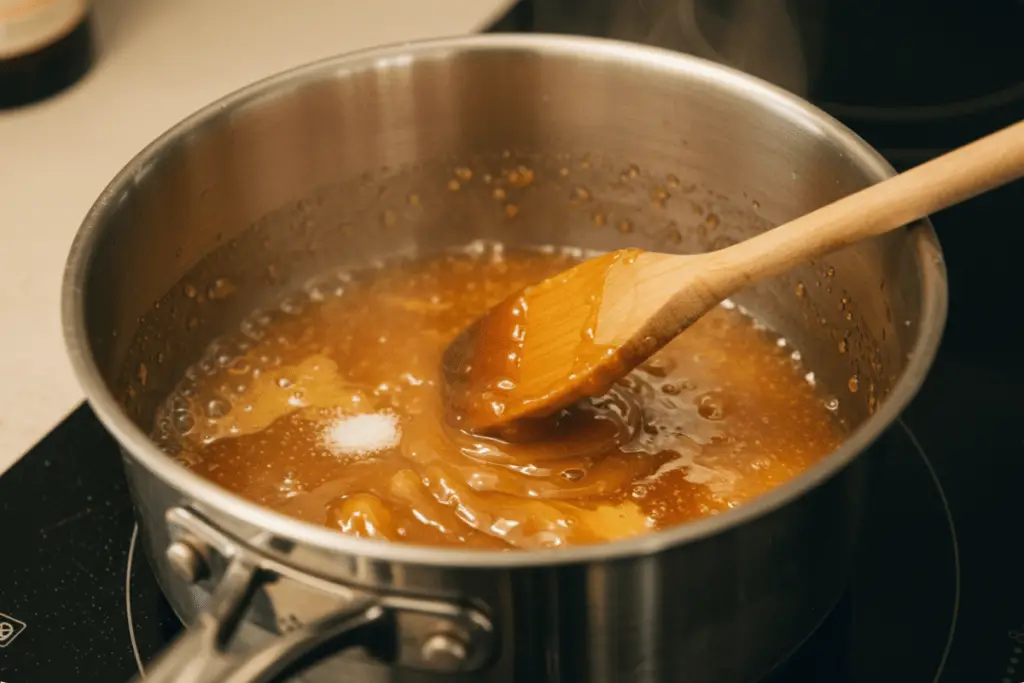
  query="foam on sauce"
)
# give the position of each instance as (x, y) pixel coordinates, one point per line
(331, 409)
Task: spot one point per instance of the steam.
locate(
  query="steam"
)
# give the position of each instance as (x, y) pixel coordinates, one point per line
(766, 38)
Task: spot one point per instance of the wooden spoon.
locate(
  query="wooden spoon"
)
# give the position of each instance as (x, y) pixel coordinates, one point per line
(574, 334)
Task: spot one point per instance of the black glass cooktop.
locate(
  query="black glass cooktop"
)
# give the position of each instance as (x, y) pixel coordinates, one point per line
(937, 594)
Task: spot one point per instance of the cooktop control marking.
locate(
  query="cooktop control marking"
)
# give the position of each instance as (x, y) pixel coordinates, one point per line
(10, 628)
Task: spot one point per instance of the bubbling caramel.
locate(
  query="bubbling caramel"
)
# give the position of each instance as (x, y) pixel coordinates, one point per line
(332, 409)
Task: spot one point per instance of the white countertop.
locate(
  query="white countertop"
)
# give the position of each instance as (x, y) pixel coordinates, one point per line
(160, 60)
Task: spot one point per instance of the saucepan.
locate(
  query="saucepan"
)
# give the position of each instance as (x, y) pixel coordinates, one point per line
(318, 167)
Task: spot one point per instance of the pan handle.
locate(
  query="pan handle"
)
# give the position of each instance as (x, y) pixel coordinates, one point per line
(200, 654)
(314, 617)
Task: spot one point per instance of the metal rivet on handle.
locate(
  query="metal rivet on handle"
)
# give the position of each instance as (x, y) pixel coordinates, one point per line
(445, 651)
(187, 562)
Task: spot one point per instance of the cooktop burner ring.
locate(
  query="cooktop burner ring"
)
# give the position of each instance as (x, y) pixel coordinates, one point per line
(972, 106)
(128, 600)
(952, 535)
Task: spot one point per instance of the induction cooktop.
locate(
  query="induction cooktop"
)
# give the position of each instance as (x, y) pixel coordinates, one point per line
(936, 595)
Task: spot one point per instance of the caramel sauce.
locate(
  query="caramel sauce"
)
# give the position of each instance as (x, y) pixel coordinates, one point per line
(332, 409)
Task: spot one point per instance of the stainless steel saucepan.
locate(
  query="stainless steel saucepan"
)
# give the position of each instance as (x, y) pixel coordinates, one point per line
(350, 159)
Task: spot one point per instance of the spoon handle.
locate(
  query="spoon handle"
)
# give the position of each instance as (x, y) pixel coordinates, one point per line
(936, 184)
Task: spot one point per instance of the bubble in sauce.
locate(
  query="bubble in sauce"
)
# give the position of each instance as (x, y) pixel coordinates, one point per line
(639, 492)
(217, 408)
(572, 474)
(182, 420)
(710, 407)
